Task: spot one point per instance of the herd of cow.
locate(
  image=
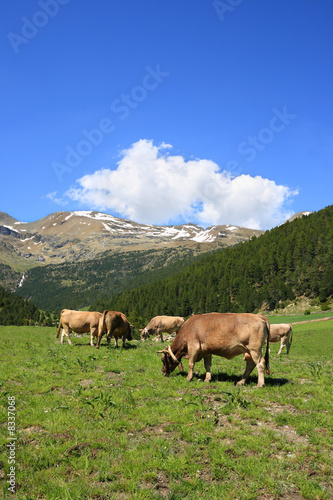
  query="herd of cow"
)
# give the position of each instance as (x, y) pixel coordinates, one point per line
(202, 335)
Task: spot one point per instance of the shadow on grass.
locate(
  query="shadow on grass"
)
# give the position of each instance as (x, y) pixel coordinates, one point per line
(252, 380)
(104, 345)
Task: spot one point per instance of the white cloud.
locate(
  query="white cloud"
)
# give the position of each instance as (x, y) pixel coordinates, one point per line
(53, 197)
(151, 186)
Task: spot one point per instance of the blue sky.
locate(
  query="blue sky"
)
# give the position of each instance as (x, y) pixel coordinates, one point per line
(167, 111)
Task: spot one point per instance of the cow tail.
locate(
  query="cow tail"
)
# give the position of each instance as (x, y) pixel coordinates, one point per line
(59, 327)
(268, 371)
(60, 324)
(103, 320)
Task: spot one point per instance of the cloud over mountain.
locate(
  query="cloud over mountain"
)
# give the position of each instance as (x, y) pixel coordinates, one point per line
(152, 186)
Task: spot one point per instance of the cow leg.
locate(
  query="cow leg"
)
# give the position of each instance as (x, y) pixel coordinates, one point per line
(99, 337)
(93, 333)
(108, 337)
(252, 361)
(208, 365)
(284, 343)
(250, 364)
(191, 363)
(261, 372)
(160, 333)
(287, 344)
(192, 357)
(66, 331)
(281, 347)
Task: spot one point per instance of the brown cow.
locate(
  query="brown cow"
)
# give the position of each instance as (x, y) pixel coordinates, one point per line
(160, 324)
(283, 332)
(226, 335)
(114, 323)
(78, 322)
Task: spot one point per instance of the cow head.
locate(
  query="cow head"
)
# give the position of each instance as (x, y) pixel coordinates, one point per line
(144, 334)
(170, 362)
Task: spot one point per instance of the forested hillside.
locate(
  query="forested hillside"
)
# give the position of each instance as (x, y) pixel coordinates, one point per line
(77, 285)
(9, 277)
(291, 260)
(17, 311)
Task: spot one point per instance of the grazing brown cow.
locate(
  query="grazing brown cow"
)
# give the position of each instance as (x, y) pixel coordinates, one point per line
(114, 323)
(226, 335)
(283, 332)
(160, 324)
(78, 322)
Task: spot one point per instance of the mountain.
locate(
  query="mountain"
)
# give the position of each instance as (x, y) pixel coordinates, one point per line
(69, 259)
(76, 236)
(299, 215)
(74, 259)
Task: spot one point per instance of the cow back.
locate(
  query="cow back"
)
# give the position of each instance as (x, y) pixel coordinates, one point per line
(80, 321)
(224, 334)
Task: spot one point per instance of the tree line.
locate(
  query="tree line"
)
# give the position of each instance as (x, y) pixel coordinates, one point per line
(17, 311)
(76, 285)
(286, 262)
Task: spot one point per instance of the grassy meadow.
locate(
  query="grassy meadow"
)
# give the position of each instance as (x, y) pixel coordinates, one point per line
(100, 424)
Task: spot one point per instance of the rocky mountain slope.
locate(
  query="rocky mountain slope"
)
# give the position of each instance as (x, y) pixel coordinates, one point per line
(77, 236)
(70, 259)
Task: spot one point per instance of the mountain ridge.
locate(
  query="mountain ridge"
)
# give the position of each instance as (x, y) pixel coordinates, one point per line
(80, 256)
(80, 235)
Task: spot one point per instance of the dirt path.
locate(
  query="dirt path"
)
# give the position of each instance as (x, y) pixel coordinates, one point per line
(312, 321)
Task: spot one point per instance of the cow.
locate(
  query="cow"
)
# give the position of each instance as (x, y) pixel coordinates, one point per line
(283, 332)
(160, 324)
(78, 322)
(114, 323)
(222, 334)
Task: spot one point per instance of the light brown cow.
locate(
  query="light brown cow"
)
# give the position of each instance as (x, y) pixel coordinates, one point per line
(160, 324)
(114, 323)
(78, 322)
(282, 332)
(226, 335)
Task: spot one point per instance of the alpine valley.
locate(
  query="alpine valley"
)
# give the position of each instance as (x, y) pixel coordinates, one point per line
(67, 259)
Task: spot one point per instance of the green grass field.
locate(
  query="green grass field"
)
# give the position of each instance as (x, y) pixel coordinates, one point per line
(100, 424)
